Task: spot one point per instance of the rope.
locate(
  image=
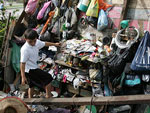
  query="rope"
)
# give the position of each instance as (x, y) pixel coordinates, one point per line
(74, 102)
(91, 101)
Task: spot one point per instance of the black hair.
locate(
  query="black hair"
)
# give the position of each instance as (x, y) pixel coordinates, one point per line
(30, 34)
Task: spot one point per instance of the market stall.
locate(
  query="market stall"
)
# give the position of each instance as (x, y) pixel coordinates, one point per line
(102, 53)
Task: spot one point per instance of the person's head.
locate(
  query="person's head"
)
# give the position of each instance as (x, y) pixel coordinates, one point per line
(31, 36)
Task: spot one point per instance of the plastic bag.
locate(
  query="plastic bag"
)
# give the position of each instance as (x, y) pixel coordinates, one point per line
(71, 17)
(46, 14)
(93, 9)
(42, 11)
(57, 26)
(141, 61)
(31, 6)
(15, 57)
(102, 20)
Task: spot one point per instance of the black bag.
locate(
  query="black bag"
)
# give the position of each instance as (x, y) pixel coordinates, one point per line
(117, 61)
(46, 36)
(116, 83)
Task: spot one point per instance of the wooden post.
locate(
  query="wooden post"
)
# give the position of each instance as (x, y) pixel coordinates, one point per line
(124, 12)
(8, 71)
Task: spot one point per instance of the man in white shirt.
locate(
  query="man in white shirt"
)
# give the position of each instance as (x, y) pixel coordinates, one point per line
(30, 71)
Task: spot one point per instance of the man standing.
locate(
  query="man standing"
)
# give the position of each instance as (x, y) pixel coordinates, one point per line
(30, 71)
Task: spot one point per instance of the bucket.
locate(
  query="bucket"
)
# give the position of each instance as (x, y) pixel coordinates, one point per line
(83, 5)
(124, 24)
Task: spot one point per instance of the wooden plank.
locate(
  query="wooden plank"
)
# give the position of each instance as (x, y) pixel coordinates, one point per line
(139, 4)
(8, 38)
(124, 12)
(8, 71)
(64, 64)
(112, 100)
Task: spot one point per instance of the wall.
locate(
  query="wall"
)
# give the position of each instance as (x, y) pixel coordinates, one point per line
(137, 12)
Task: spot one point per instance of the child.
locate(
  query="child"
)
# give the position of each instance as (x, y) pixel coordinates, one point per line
(30, 71)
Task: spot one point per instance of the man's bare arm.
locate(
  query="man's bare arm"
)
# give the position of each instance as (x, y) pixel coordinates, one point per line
(52, 44)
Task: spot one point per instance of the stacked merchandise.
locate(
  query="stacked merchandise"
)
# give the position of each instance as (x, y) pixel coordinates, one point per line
(86, 59)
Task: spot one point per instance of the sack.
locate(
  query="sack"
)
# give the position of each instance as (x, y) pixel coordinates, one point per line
(102, 20)
(93, 9)
(31, 6)
(42, 11)
(141, 61)
(15, 57)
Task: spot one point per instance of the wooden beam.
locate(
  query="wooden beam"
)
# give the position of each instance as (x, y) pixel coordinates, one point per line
(6, 43)
(124, 12)
(112, 100)
(66, 65)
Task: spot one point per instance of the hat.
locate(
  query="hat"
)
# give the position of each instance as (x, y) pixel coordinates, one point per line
(13, 104)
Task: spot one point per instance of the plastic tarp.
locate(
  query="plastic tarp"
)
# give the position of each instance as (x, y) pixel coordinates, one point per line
(15, 57)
